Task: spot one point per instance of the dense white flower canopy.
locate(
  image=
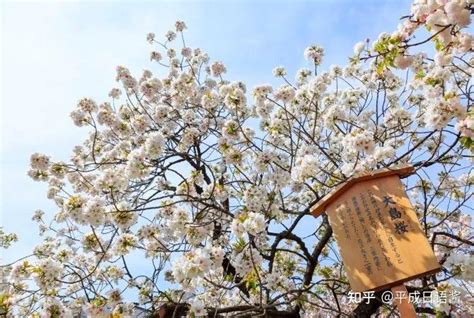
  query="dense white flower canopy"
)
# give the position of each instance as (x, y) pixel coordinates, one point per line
(211, 182)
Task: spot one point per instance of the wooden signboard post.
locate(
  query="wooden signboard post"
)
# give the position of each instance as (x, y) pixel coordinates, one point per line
(376, 228)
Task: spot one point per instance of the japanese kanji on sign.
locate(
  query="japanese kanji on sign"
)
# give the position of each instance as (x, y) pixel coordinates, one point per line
(376, 228)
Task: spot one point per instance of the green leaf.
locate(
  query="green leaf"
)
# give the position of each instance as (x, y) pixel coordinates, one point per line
(240, 244)
(467, 143)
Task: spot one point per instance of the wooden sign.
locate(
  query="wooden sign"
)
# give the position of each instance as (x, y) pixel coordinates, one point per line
(376, 228)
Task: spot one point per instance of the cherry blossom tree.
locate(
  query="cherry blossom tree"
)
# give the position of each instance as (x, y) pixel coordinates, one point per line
(210, 184)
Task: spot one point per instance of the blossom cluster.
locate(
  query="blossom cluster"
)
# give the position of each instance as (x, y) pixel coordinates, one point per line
(210, 183)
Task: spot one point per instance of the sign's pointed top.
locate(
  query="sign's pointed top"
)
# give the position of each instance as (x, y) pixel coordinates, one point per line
(320, 206)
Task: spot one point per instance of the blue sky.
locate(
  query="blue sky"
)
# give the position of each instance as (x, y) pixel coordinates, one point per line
(53, 53)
